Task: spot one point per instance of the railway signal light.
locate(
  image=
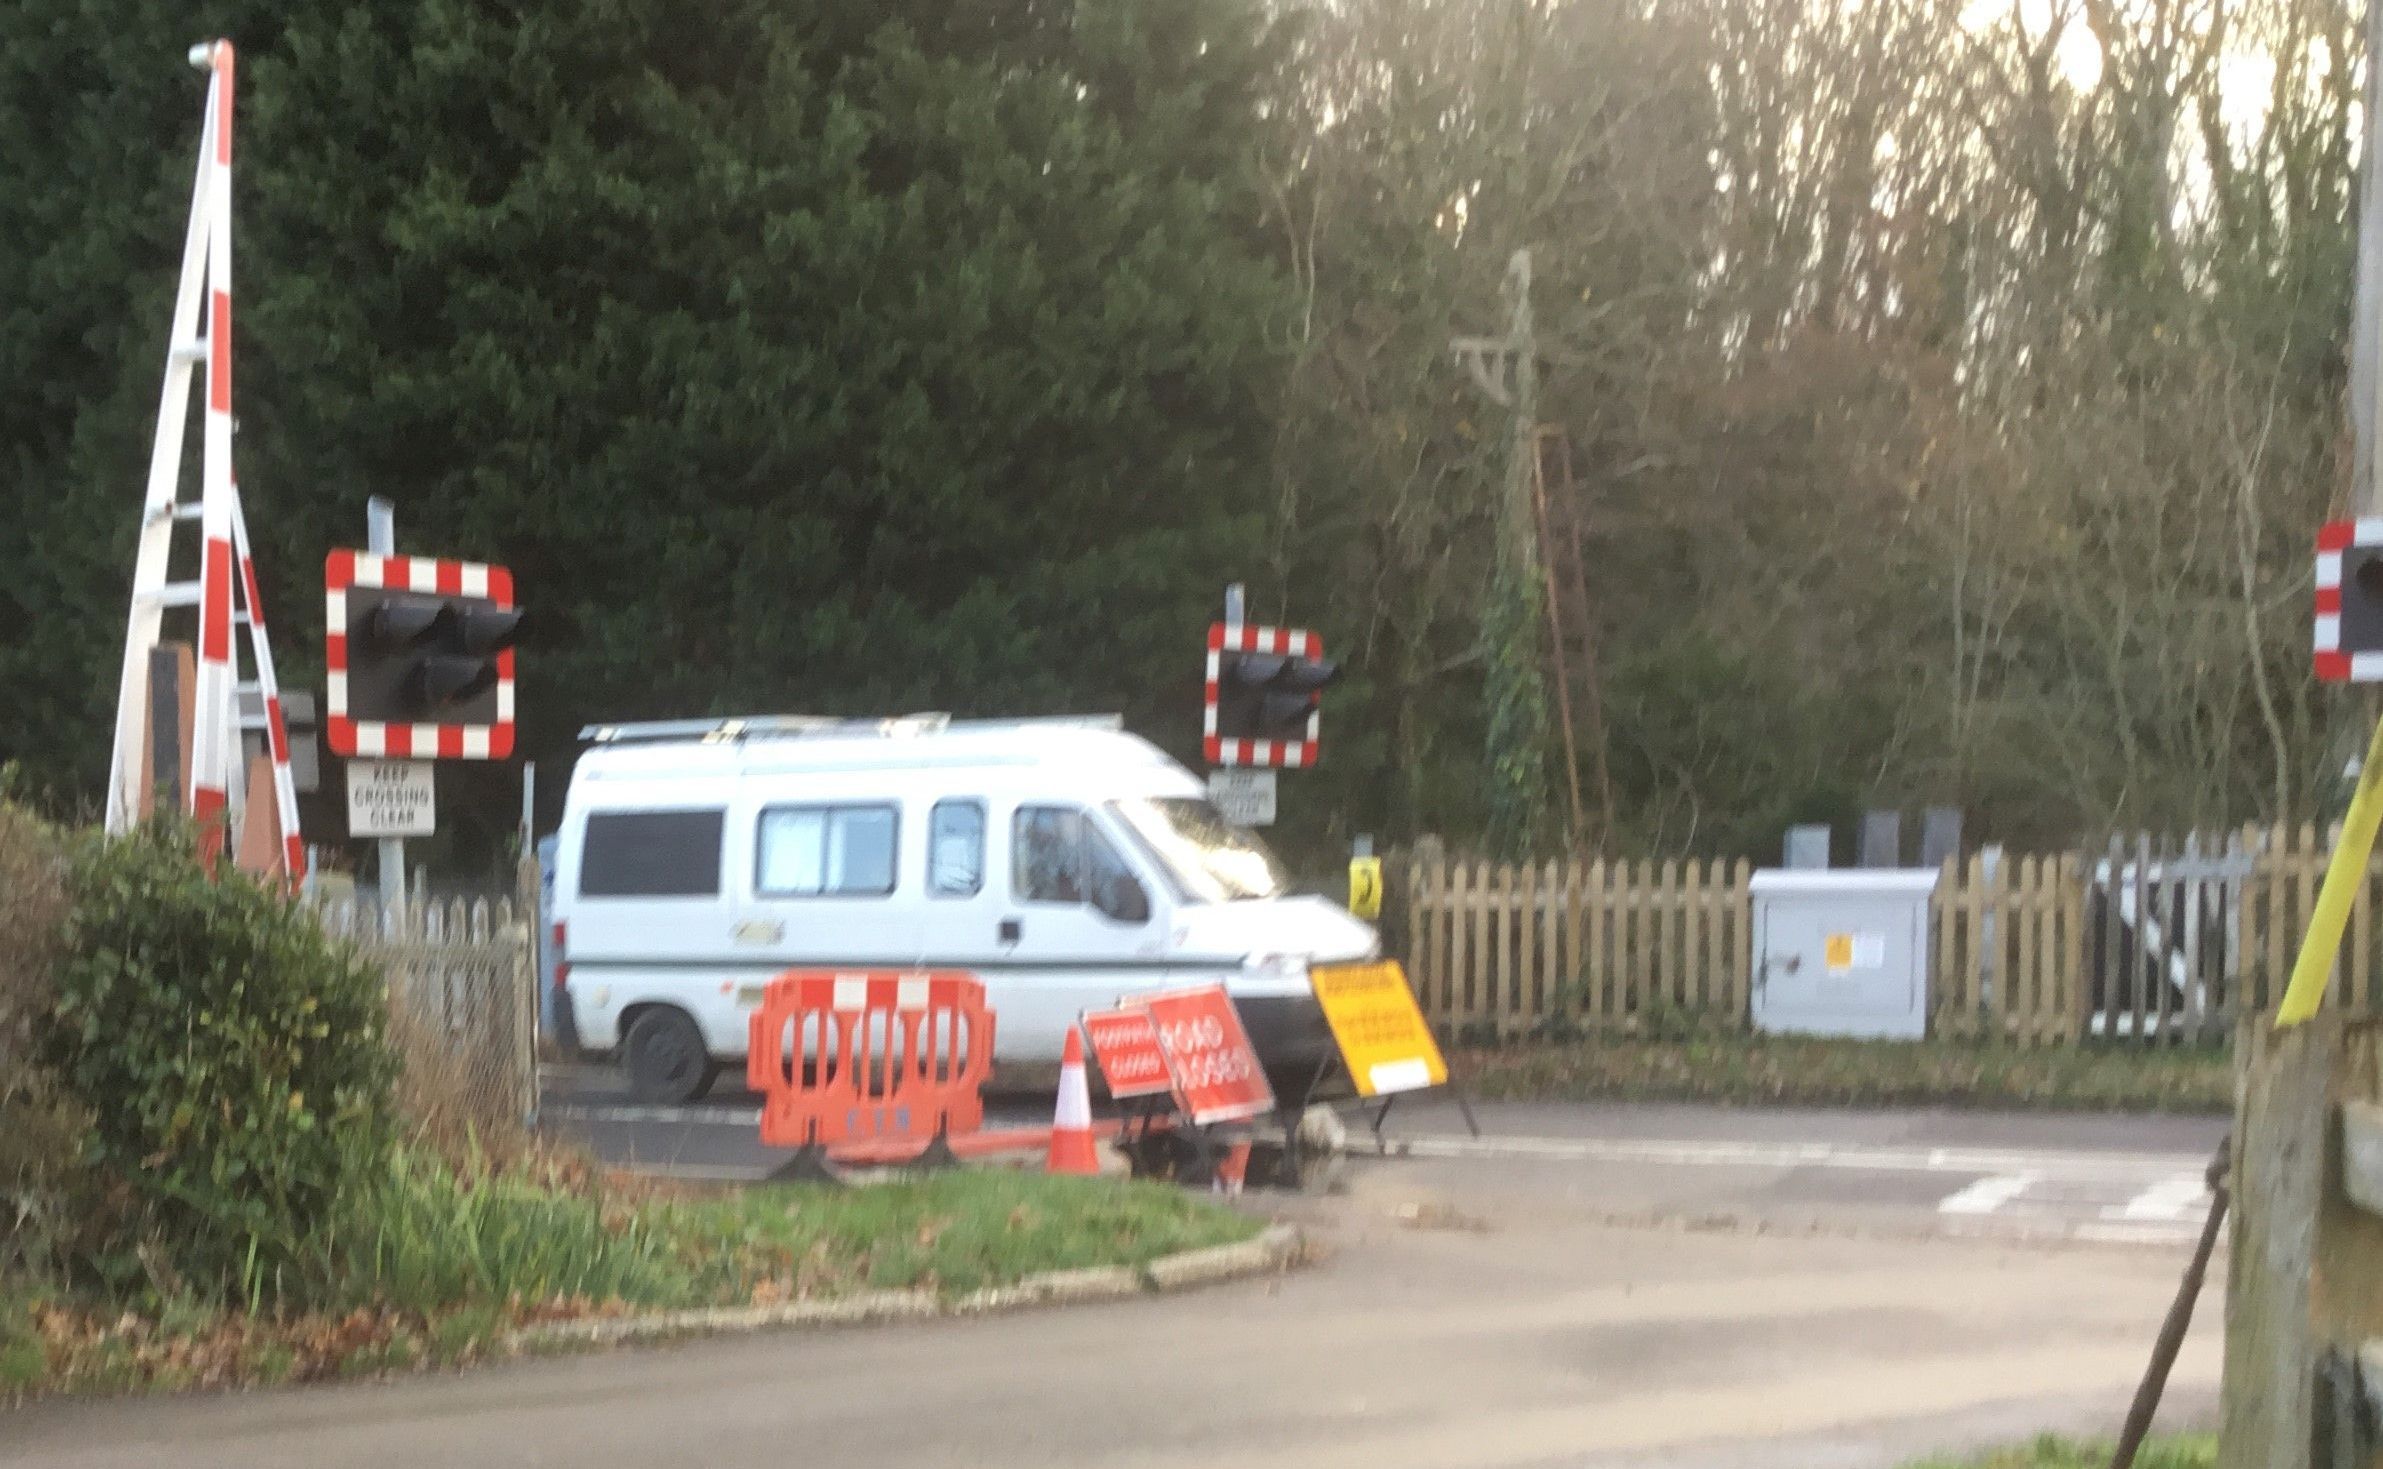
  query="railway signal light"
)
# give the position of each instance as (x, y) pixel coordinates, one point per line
(421, 655)
(2349, 620)
(1281, 693)
(1265, 695)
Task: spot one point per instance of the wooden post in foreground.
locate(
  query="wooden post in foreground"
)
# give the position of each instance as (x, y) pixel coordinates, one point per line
(2304, 1297)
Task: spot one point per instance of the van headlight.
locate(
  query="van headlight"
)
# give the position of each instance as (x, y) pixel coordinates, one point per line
(1288, 968)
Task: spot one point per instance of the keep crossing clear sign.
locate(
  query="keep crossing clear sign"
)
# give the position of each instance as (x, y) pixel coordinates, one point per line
(1379, 1028)
(1245, 796)
(391, 798)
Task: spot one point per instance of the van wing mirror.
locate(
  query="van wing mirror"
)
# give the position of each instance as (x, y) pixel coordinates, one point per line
(1122, 898)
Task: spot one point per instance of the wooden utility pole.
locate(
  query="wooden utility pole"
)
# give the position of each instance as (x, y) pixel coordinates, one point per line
(1506, 369)
(1522, 341)
(1507, 373)
(2304, 1317)
(2366, 326)
(2354, 718)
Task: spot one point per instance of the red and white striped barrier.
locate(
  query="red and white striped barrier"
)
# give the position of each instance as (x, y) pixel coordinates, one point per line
(277, 730)
(215, 731)
(226, 590)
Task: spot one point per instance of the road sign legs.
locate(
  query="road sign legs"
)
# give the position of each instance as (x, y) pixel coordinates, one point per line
(1464, 1104)
(808, 1165)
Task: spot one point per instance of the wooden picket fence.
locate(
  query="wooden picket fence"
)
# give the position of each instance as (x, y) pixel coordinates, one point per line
(2140, 940)
(463, 1001)
(2008, 938)
(1513, 949)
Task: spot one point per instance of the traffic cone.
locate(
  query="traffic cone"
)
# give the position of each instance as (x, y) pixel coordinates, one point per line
(1232, 1170)
(1071, 1125)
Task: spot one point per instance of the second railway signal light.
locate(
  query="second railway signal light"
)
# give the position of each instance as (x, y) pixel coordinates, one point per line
(421, 657)
(1265, 695)
(1275, 695)
(2349, 625)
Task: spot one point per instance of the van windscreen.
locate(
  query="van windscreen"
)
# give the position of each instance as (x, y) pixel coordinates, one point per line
(651, 854)
(1210, 859)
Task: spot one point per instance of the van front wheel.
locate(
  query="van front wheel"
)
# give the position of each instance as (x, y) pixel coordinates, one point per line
(665, 1058)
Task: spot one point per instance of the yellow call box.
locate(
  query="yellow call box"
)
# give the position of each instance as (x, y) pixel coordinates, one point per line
(1379, 1028)
(1365, 887)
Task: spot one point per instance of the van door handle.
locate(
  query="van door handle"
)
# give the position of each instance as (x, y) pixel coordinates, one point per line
(1011, 930)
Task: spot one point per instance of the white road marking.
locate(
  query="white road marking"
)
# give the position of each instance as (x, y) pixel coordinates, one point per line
(718, 1116)
(2135, 1170)
(1987, 1194)
(2184, 1196)
(2136, 1234)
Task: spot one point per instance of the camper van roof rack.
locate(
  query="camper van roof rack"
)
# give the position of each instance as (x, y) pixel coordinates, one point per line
(804, 726)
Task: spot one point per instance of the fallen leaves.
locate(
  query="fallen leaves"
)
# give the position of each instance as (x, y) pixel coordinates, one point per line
(123, 1351)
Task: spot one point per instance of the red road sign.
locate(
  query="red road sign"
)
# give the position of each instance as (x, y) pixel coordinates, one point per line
(1215, 1069)
(1125, 1044)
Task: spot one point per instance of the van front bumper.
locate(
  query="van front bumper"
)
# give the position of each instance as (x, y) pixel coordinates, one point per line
(1292, 1040)
(1286, 1029)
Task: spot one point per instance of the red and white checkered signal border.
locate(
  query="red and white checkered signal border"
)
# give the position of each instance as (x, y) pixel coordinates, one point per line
(2333, 664)
(343, 570)
(1237, 637)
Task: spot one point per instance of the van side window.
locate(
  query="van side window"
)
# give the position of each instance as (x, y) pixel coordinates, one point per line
(825, 852)
(651, 854)
(1061, 857)
(956, 849)
(1048, 855)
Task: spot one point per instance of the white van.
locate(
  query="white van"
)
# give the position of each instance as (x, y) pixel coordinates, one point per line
(1064, 862)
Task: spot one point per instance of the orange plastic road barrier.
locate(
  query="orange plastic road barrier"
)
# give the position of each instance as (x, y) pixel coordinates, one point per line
(873, 1057)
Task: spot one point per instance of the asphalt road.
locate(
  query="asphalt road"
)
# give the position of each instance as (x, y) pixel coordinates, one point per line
(2095, 1178)
(1697, 1287)
(1471, 1312)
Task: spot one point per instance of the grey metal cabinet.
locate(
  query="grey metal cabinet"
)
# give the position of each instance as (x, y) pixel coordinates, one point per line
(1842, 953)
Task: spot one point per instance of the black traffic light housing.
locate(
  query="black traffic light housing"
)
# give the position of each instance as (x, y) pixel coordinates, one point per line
(415, 658)
(2348, 641)
(2362, 599)
(1269, 696)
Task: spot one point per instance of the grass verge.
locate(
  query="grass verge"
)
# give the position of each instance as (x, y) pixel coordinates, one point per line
(1748, 1069)
(2193, 1451)
(441, 1264)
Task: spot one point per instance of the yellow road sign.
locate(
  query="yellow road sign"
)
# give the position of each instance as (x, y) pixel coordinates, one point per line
(1379, 1028)
(1365, 887)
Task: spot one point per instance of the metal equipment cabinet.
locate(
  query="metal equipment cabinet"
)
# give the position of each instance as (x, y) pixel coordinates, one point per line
(1843, 952)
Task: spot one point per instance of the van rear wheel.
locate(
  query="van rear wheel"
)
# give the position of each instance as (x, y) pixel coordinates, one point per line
(666, 1059)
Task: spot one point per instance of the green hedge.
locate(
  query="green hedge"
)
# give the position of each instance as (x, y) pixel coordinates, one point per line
(233, 1063)
(40, 1126)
